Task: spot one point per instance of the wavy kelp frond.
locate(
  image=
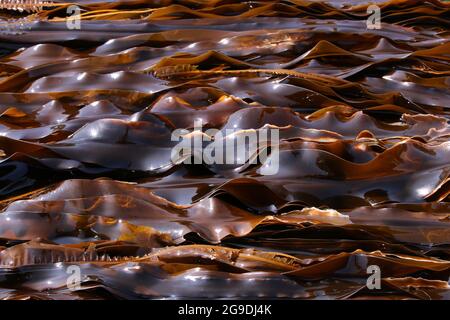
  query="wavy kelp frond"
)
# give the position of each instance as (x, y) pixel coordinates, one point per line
(90, 119)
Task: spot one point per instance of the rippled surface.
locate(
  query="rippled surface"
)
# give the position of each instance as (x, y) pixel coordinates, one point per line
(86, 176)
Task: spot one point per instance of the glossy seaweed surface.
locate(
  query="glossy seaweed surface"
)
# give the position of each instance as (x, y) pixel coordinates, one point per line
(87, 178)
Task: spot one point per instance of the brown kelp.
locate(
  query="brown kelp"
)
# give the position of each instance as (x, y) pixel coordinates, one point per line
(87, 118)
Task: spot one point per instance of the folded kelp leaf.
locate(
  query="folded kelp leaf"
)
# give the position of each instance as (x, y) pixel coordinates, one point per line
(411, 235)
(420, 288)
(305, 96)
(270, 194)
(299, 38)
(342, 120)
(322, 239)
(336, 176)
(39, 251)
(392, 265)
(145, 133)
(409, 163)
(220, 265)
(412, 90)
(39, 54)
(183, 257)
(144, 281)
(73, 228)
(182, 114)
(396, 11)
(89, 122)
(232, 260)
(84, 81)
(112, 140)
(406, 156)
(111, 78)
(119, 209)
(430, 227)
(149, 281)
(98, 32)
(55, 121)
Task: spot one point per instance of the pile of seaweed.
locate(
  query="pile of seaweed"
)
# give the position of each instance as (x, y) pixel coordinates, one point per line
(87, 178)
